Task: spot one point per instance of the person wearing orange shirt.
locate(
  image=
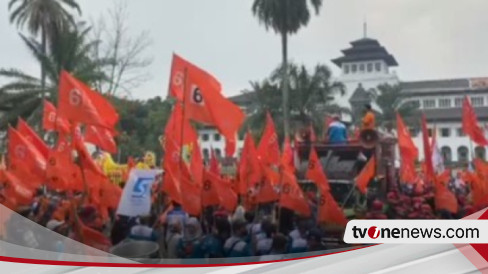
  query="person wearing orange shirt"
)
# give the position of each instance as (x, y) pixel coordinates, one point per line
(369, 119)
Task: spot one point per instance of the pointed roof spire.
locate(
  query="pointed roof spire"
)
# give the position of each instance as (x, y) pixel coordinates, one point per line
(365, 28)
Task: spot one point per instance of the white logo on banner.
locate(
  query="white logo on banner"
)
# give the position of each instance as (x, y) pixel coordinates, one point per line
(75, 97)
(136, 197)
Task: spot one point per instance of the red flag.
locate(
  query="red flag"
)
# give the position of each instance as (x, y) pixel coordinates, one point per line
(368, 173)
(408, 152)
(214, 166)
(316, 173)
(79, 103)
(471, 126)
(31, 136)
(287, 158)
(269, 149)
(52, 121)
(429, 166)
(250, 172)
(292, 195)
(23, 158)
(100, 137)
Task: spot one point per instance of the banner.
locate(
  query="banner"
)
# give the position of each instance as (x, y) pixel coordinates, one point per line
(136, 197)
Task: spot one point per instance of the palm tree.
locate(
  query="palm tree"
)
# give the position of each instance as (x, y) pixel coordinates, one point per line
(312, 96)
(390, 100)
(44, 17)
(69, 50)
(285, 17)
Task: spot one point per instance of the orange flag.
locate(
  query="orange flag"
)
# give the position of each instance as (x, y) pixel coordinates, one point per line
(230, 146)
(23, 158)
(216, 191)
(214, 166)
(86, 161)
(329, 211)
(316, 173)
(269, 149)
(79, 103)
(201, 94)
(287, 158)
(444, 199)
(470, 124)
(368, 173)
(266, 192)
(52, 121)
(100, 137)
(196, 165)
(292, 195)
(31, 136)
(183, 191)
(250, 172)
(429, 165)
(408, 152)
(16, 190)
(178, 128)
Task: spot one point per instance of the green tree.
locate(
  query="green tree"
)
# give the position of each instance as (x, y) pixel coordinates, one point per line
(69, 50)
(390, 100)
(141, 124)
(285, 17)
(312, 97)
(42, 16)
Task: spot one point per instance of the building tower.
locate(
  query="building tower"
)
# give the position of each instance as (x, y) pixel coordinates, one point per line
(364, 66)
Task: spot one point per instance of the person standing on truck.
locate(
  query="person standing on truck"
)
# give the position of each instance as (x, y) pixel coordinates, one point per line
(337, 131)
(369, 119)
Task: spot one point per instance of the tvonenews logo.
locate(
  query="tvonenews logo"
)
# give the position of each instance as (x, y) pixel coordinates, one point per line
(416, 231)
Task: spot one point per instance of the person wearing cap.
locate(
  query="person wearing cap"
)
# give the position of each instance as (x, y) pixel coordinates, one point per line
(369, 119)
(337, 131)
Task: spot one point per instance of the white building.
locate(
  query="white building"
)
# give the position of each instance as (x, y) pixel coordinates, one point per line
(367, 64)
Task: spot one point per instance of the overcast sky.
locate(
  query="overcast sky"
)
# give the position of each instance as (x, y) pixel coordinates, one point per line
(430, 39)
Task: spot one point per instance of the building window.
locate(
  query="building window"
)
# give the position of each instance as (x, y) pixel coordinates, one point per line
(205, 137)
(463, 154)
(354, 68)
(480, 153)
(346, 68)
(206, 154)
(217, 137)
(218, 153)
(415, 103)
(445, 132)
(370, 67)
(445, 103)
(460, 132)
(377, 66)
(477, 101)
(429, 103)
(362, 68)
(458, 102)
(446, 154)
